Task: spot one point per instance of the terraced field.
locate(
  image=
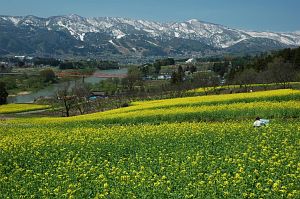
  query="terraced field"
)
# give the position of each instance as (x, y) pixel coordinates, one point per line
(196, 147)
(16, 108)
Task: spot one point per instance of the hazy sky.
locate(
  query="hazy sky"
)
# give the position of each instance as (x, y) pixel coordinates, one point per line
(270, 15)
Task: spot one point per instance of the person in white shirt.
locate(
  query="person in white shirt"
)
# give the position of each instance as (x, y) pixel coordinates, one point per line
(257, 122)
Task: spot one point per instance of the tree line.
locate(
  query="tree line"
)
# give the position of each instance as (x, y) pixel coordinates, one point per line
(62, 64)
(277, 67)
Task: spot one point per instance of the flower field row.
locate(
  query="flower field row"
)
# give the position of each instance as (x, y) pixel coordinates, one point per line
(202, 91)
(198, 147)
(273, 95)
(270, 104)
(178, 160)
(16, 108)
(237, 111)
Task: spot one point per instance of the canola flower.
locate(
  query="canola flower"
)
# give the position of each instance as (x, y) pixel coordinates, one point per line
(272, 104)
(16, 108)
(207, 89)
(272, 95)
(184, 149)
(188, 159)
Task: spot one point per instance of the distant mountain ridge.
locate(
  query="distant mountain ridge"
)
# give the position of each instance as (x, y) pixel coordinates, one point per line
(108, 36)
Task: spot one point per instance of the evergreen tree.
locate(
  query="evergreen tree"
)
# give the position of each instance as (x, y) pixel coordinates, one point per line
(297, 59)
(157, 67)
(3, 93)
(177, 76)
(193, 68)
(174, 78)
(180, 74)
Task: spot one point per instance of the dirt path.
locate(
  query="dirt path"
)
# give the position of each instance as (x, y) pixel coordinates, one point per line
(32, 112)
(5, 118)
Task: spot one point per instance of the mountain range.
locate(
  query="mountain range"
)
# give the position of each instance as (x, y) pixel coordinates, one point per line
(73, 35)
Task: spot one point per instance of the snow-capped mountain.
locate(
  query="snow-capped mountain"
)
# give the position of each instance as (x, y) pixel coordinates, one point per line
(78, 35)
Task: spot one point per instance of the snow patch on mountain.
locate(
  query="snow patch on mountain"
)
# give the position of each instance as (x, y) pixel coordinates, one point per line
(212, 34)
(176, 34)
(118, 34)
(215, 35)
(231, 43)
(14, 20)
(81, 36)
(285, 38)
(111, 41)
(192, 21)
(150, 42)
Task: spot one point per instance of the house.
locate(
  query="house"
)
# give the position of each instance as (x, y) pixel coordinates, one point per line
(164, 77)
(160, 77)
(191, 61)
(97, 94)
(22, 57)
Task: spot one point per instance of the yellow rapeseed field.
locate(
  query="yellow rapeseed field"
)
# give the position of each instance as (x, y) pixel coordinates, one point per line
(199, 147)
(15, 108)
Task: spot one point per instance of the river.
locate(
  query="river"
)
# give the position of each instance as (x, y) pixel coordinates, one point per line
(51, 90)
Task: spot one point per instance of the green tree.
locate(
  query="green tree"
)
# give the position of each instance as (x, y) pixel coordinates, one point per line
(162, 62)
(180, 73)
(177, 76)
(193, 68)
(109, 86)
(220, 68)
(145, 69)
(10, 82)
(174, 78)
(48, 75)
(157, 67)
(3, 93)
(297, 59)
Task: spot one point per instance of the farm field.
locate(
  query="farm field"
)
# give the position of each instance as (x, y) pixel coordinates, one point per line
(195, 147)
(270, 86)
(16, 108)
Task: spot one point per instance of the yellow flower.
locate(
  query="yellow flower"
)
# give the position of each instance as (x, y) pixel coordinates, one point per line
(105, 185)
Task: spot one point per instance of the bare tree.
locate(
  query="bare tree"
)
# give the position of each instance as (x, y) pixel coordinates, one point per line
(246, 77)
(73, 99)
(81, 93)
(206, 80)
(65, 99)
(282, 72)
(265, 77)
(134, 76)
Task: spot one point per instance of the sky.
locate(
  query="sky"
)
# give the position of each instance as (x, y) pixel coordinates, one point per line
(260, 15)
